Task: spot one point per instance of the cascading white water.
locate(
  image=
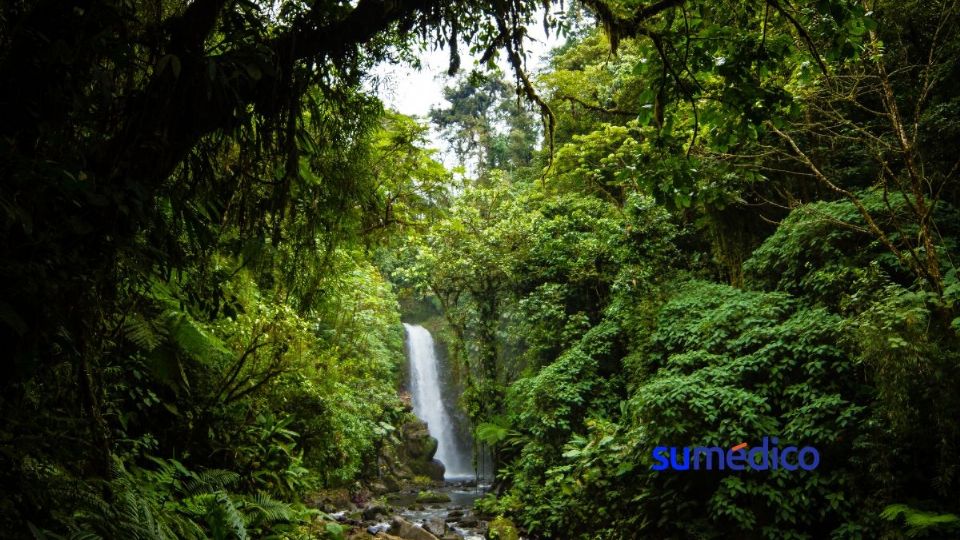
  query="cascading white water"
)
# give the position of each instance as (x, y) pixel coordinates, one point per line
(428, 405)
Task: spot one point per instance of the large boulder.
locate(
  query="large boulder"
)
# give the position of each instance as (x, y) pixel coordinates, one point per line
(433, 469)
(416, 451)
(408, 459)
(468, 521)
(417, 440)
(408, 531)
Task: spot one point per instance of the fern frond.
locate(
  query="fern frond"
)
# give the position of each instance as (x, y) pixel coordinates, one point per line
(224, 520)
(211, 480)
(42, 534)
(919, 522)
(270, 510)
(191, 338)
(143, 332)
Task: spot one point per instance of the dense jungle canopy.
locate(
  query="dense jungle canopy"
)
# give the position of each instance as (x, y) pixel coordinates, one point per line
(700, 222)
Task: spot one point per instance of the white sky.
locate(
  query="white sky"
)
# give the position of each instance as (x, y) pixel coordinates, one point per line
(413, 92)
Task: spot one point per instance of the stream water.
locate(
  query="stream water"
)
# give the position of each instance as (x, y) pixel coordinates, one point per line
(457, 515)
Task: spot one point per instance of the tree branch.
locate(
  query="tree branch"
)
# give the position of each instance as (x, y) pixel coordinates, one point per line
(867, 217)
(803, 34)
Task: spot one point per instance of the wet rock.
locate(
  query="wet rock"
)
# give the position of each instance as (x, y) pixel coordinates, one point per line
(433, 469)
(408, 531)
(407, 401)
(417, 440)
(374, 511)
(454, 515)
(435, 526)
(391, 483)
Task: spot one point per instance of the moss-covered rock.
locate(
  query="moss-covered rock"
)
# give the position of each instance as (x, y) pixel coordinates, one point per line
(410, 457)
(432, 497)
(417, 441)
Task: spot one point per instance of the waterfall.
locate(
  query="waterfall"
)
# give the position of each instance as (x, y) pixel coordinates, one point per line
(428, 403)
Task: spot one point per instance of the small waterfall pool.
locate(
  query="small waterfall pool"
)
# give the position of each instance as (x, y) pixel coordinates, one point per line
(426, 389)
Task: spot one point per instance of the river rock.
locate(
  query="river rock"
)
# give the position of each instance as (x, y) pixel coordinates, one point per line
(391, 483)
(408, 531)
(432, 469)
(468, 522)
(435, 526)
(373, 511)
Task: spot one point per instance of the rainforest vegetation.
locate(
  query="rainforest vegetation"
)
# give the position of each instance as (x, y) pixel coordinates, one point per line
(698, 223)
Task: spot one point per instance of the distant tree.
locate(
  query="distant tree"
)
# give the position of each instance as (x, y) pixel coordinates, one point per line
(488, 124)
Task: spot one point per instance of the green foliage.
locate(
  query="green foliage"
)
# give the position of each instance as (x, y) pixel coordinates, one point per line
(822, 249)
(723, 366)
(741, 224)
(225, 350)
(168, 501)
(921, 524)
(768, 147)
(493, 434)
(733, 366)
(502, 528)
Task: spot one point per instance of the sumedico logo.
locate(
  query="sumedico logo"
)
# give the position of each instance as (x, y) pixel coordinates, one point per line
(767, 456)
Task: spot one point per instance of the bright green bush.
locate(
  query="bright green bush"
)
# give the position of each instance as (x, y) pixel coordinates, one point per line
(723, 366)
